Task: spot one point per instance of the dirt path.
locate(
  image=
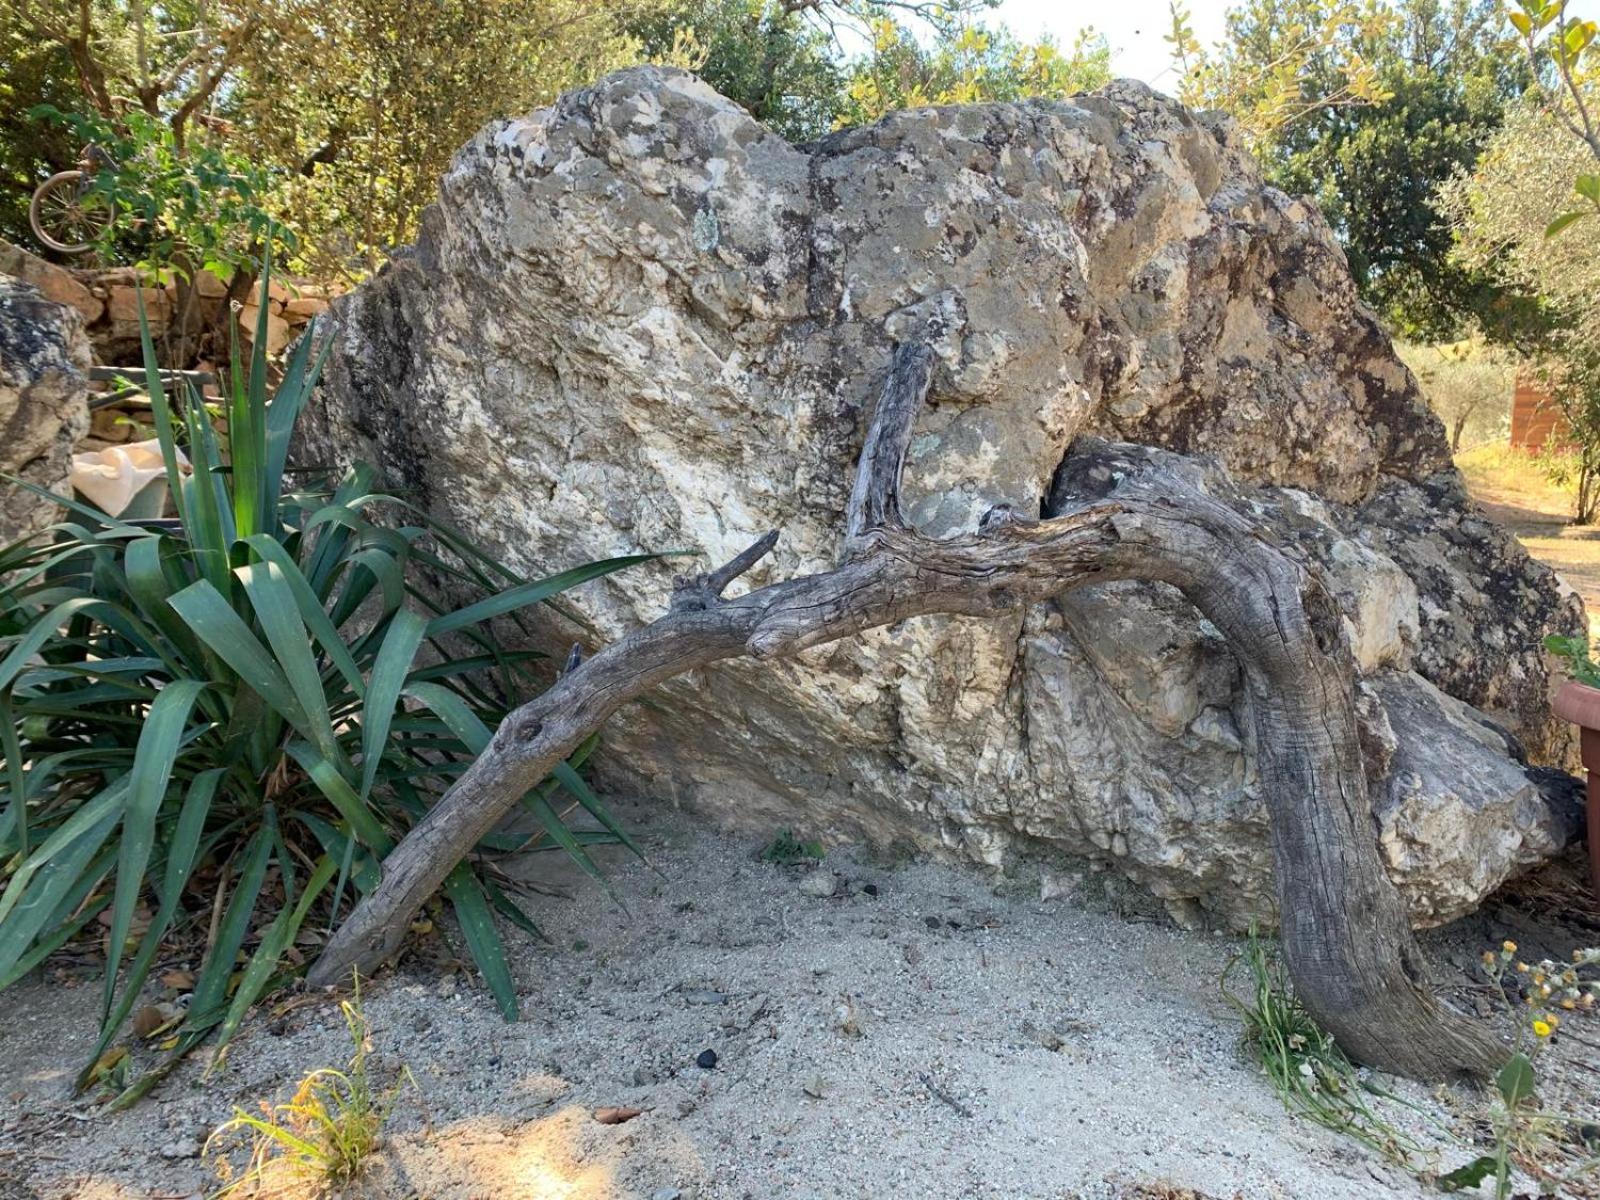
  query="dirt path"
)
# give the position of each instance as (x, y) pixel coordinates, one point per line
(1516, 494)
(930, 1031)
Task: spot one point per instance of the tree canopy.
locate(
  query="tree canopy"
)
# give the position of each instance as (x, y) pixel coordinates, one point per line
(1370, 107)
(354, 107)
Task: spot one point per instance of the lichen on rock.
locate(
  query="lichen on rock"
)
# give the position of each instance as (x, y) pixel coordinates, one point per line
(637, 319)
(44, 402)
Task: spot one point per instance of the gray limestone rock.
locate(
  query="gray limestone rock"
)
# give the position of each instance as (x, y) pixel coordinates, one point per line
(44, 402)
(637, 319)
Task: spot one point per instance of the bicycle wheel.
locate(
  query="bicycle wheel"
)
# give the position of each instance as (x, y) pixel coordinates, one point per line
(66, 216)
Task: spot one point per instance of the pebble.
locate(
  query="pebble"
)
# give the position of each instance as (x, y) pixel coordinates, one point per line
(820, 883)
(666, 1193)
(703, 996)
(706, 1059)
(183, 1148)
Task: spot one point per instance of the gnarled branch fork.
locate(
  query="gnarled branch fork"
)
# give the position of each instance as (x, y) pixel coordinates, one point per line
(1125, 512)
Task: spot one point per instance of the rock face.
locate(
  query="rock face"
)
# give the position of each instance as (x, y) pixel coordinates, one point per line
(44, 410)
(638, 319)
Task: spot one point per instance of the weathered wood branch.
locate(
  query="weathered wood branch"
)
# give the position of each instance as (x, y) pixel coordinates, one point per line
(875, 499)
(696, 593)
(1124, 513)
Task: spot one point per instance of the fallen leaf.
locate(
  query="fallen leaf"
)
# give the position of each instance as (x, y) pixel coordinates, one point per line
(107, 1063)
(178, 981)
(147, 1020)
(616, 1116)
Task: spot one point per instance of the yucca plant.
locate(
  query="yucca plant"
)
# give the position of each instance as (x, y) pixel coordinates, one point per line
(221, 723)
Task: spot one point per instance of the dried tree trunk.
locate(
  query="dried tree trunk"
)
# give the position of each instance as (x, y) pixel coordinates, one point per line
(1139, 514)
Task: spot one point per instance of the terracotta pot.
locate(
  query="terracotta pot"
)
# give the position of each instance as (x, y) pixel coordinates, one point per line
(1580, 704)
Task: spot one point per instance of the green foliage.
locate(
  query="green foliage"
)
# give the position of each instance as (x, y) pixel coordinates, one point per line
(1565, 52)
(394, 88)
(1513, 216)
(31, 74)
(321, 1139)
(1569, 372)
(1314, 1079)
(231, 718)
(784, 63)
(1468, 384)
(967, 65)
(1370, 107)
(786, 848)
(356, 106)
(1280, 63)
(203, 207)
(1470, 1175)
(1574, 653)
(1305, 1066)
(767, 57)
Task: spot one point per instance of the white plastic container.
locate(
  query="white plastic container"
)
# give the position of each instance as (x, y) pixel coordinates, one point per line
(123, 481)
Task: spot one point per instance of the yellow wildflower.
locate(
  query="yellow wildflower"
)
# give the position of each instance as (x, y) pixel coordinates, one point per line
(1508, 946)
(1541, 1028)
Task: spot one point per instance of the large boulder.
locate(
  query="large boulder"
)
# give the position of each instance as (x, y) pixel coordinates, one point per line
(44, 402)
(638, 319)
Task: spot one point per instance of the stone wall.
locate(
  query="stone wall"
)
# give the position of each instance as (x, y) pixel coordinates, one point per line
(107, 299)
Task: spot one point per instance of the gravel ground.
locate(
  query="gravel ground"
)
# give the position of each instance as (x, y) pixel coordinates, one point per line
(924, 1031)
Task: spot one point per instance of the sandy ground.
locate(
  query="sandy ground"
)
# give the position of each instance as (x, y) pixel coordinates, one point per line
(951, 1035)
(1515, 492)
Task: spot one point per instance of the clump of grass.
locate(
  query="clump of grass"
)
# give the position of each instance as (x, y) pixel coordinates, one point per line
(786, 848)
(1314, 1079)
(317, 1143)
(1305, 1066)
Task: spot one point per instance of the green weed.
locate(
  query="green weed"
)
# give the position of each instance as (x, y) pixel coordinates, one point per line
(320, 1140)
(785, 848)
(1302, 1062)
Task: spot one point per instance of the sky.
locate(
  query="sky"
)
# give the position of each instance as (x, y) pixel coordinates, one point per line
(1134, 28)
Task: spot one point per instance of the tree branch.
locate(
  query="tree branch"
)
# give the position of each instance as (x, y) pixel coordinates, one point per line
(238, 37)
(696, 593)
(1123, 513)
(875, 499)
